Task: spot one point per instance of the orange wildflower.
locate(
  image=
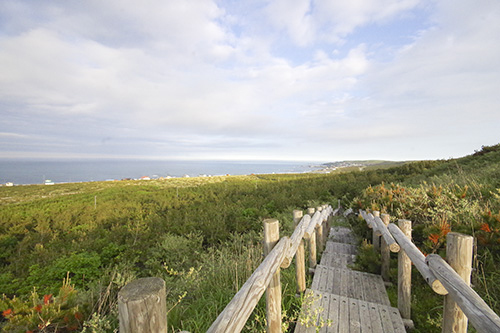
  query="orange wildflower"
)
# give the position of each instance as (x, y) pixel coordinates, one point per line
(38, 308)
(445, 228)
(46, 299)
(485, 227)
(7, 312)
(434, 238)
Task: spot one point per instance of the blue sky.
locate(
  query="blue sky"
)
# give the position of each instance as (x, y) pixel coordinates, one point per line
(280, 80)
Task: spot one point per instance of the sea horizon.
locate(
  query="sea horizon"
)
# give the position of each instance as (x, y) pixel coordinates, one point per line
(37, 171)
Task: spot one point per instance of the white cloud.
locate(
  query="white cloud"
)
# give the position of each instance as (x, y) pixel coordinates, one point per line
(200, 76)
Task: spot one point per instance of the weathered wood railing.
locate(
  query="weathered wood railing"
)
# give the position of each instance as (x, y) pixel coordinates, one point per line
(137, 303)
(461, 302)
(267, 276)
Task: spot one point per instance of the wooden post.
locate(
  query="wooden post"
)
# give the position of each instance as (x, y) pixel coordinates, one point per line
(326, 230)
(312, 243)
(319, 231)
(459, 256)
(404, 274)
(375, 236)
(312, 251)
(385, 251)
(273, 291)
(142, 306)
(300, 264)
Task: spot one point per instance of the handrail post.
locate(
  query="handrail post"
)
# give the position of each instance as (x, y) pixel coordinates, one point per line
(300, 265)
(375, 237)
(319, 232)
(404, 274)
(312, 243)
(326, 227)
(385, 252)
(142, 306)
(273, 291)
(459, 256)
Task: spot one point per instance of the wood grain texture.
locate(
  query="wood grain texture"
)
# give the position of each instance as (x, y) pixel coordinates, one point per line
(459, 256)
(404, 274)
(142, 306)
(475, 308)
(418, 259)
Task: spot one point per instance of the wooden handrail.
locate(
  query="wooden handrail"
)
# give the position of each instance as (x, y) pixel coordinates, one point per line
(239, 309)
(389, 240)
(278, 253)
(417, 258)
(312, 224)
(295, 240)
(442, 278)
(474, 307)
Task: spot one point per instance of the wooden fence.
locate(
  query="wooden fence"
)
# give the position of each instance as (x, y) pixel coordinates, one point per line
(450, 278)
(142, 297)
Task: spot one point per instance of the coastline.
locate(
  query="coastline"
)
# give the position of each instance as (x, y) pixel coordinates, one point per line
(21, 173)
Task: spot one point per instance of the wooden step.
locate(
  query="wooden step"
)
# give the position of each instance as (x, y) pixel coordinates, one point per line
(335, 247)
(353, 284)
(342, 235)
(325, 312)
(340, 260)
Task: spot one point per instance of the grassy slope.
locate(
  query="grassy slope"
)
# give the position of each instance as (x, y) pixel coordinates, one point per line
(200, 234)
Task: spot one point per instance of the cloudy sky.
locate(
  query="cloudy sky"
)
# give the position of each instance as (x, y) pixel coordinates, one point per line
(318, 80)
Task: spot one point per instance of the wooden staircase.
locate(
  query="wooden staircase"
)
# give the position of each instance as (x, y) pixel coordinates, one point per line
(343, 300)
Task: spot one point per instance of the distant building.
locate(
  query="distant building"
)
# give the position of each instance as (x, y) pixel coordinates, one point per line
(49, 182)
(9, 184)
(145, 178)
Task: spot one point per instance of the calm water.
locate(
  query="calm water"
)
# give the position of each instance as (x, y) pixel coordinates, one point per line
(35, 172)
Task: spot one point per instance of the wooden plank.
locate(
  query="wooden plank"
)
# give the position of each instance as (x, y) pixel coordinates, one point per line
(354, 320)
(333, 313)
(308, 317)
(337, 279)
(322, 278)
(385, 318)
(344, 282)
(340, 248)
(343, 314)
(323, 319)
(364, 317)
(337, 259)
(376, 322)
(397, 321)
(357, 290)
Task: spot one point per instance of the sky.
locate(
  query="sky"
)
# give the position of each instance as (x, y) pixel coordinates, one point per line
(311, 80)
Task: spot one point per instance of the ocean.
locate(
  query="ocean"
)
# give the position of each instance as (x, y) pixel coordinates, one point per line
(36, 172)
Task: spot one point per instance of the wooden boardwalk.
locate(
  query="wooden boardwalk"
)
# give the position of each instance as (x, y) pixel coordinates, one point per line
(343, 300)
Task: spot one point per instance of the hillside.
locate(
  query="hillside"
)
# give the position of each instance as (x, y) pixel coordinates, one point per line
(202, 235)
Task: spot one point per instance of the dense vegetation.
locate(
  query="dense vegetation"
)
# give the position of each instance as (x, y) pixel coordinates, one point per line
(201, 235)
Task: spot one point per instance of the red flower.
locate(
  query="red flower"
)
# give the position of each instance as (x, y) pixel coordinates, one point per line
(46, 299)
(434, 238)
(485, 227)
(7, 312)
(78, 316)
(38, 308)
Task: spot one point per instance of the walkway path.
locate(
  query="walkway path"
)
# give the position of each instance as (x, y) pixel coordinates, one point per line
(343, 300)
